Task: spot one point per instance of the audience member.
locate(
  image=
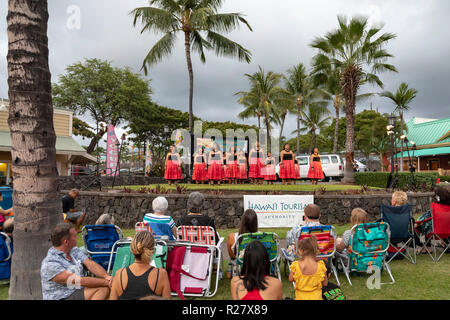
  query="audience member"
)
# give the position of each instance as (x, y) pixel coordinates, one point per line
(399, 198)
(105, 219)
(311, 219)
(162, 225)
(195, 216)
(248, 224)
(140, 280)
(4, 213)
(308, 274)
(358, 216)
(254, 283)
(331, 291)
(62, 270)
(70, 214)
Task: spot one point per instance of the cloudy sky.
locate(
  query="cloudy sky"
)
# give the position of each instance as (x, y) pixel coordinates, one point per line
(282, 32)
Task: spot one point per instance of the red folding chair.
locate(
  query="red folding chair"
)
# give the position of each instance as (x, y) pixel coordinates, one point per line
(143, 226)
(440, 215)
(197, 234)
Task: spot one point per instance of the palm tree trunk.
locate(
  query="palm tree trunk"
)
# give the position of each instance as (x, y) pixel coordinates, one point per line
(281, 130)
(299, 103)
(187, 46)
(401, 142)
(37, 204)
(337, 105)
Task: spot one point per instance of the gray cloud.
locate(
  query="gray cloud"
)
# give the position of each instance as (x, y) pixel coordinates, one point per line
(282, 32)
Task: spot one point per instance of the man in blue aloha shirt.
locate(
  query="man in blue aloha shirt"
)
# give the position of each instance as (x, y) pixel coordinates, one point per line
(62, 270)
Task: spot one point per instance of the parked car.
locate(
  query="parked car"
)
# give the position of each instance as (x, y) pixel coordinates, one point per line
(361, 166)
(332, 166)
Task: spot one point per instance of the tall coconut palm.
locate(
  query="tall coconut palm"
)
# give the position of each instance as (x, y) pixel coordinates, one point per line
(37, 204)
(296, 83)
(402, 99)
(314, 118)
(265, 88)
(202, 26)
(252, 106)
(355, 50)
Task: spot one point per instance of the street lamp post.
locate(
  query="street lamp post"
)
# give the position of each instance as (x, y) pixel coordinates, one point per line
(123, 138)
(391, 132)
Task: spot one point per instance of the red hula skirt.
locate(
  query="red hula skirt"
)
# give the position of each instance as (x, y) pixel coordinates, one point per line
(317, 172)
(242, 171)
(297, 171)
(270, 173)
(200, 173)
(232, 171)
(287, 171)
(173, 171)
(215, 170)
(256, 168)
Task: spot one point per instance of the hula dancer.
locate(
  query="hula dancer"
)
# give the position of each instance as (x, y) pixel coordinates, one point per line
(215, 163)
(287, 169)
(232, 172)
(315, 172)
(256, 159)
(199, 174)
(297, 171)
(270, 174)
(173, 166)
(242, 165)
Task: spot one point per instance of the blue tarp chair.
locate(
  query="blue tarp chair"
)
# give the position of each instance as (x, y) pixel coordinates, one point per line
(6, 251)
(401, 223)
(99, 240)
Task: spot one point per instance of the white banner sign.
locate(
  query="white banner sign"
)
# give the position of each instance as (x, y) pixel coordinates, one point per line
(278, 211)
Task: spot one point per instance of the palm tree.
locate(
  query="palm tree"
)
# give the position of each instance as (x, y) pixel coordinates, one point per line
(359, 56)
(201, 25)
(285, 106)
(265, 88)
(314, 118)
(296, 84)
(402, 98)
(251, 102)
(37, 205)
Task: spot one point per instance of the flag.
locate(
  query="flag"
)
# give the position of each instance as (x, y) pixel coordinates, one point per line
(112, 152)
(148, 160)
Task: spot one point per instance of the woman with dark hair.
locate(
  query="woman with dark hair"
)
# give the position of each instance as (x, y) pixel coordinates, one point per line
(215, 165)
(172, 166)
(232, 171)
(199, 173)
(256, 160)
(315, 172)
(287, 169)
(242, 166)
(255, 283)
(248, 224)
(269, 172)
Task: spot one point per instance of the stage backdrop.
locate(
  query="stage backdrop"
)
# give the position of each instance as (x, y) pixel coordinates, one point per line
(278, 211)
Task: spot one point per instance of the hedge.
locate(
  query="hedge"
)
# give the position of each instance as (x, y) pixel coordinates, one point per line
(444, 178)
(380, 179)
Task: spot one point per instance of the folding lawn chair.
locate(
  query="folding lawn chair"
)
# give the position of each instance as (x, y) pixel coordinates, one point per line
(6, 251)
(401, 223)
(99, 240)
(124, 258)
(440, 232)
(190, 267)
(159, 230)
(369, 243)
(271, 242)
(143, 226)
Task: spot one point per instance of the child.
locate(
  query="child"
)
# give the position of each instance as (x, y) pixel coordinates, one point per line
(331, 291)
(358, 216)
(308, 274)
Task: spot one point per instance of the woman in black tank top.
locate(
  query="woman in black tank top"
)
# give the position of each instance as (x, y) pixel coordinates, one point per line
(140, 280)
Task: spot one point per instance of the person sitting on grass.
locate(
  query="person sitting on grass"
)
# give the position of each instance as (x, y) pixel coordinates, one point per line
(255, 282)
(62, 270)
(4, 213)
(195, 217)
(105, 219)
(308, 274)
(70, 214)
(248, 224)
(331, 291)
(161, 224)
(141, 280)
(311, 219)
(358, 216)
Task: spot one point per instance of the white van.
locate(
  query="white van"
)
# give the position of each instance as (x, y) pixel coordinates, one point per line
(332, 166)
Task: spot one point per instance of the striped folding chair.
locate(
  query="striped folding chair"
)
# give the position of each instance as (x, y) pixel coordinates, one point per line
(143, 226)
(197, 234)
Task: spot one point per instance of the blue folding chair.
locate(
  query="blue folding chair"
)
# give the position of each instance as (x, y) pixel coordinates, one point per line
(401, 223)
(99, 240)
(6, 251)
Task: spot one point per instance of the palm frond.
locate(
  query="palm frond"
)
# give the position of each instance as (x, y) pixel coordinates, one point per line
(226, 47)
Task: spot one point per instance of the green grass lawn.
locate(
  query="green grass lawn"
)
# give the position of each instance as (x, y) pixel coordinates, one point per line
(303, 187)
(426, 280)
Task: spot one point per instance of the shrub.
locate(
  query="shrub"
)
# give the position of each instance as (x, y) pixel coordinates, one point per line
(380, 179)
(444, 178)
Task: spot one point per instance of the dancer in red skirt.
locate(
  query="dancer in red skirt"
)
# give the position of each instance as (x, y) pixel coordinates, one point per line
(315, 172)
(232, 171)
(256, 159)
(297, 170)
(269, 172)
(287, 169)
(200, 173)
(172, 166)
(242, 165)
(215, 165)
